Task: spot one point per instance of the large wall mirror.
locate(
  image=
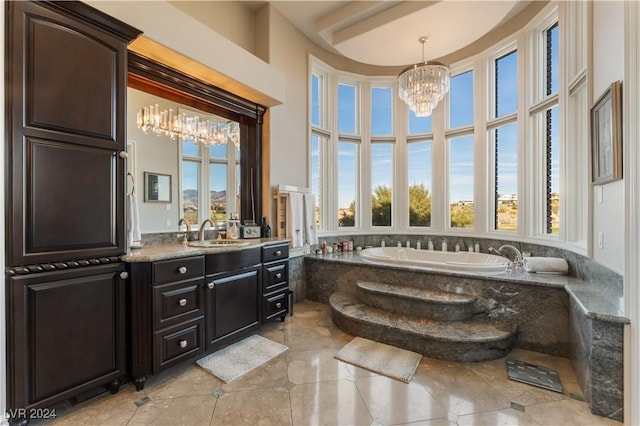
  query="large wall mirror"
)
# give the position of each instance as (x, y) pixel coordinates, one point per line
(215, 169)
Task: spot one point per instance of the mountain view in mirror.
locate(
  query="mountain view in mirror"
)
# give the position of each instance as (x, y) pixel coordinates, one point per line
(198, 150)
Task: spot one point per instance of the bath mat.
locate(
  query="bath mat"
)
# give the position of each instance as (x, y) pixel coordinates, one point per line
(536, 375)
(231, 362)
(399, 364)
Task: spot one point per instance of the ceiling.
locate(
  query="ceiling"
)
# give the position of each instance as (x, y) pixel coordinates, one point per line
(386, 32)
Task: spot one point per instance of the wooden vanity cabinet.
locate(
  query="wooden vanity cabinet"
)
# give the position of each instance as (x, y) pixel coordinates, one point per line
(233, 296)
(275, 281)
(167, 314)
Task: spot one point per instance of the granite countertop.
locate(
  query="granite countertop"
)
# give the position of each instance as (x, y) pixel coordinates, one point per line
(587, 295)
(151, 253)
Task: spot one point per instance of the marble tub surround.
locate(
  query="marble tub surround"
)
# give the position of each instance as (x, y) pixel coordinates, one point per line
(540, 311)
(555, 314)
(603, 282)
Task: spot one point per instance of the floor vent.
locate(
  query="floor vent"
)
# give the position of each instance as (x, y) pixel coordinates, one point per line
(535, 375)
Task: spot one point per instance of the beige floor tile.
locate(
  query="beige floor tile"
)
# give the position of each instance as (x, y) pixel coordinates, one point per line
(391, 401)
(193, 410)
(460, 391)
(105, 409)
(329, 403)
(315, 366)
(567, 412)
(253, 407)
(310, 338)
(507, 416)
(183, 380)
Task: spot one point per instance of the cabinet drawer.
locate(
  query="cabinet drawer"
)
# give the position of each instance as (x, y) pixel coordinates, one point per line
(178, 269)
(274, 275)
(276, 305)
(177, 302)
(275, 252)
(177, 344)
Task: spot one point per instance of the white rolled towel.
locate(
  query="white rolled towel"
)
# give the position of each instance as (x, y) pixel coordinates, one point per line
(556, 265)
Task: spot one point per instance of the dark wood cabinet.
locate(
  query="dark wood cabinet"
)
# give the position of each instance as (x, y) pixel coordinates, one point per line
(66, 332)
(66, 69)
(187, 307)
(233, 306)
(275, 281)
(67, 65)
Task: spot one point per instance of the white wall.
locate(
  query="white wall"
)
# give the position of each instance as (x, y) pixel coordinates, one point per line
(608, 66)
(153, 154)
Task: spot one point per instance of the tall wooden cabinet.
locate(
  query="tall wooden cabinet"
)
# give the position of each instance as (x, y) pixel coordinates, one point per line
(66, 85)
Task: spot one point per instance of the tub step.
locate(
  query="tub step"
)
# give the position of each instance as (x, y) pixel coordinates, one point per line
(476, 339)
(424, 303)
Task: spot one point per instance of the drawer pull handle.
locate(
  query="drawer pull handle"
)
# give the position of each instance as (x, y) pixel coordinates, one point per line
(211, 285)
(278, 252)
(182, 270)
(279, 275)
(183, 343)
(182, 302)
(278, 305)
(124, 275)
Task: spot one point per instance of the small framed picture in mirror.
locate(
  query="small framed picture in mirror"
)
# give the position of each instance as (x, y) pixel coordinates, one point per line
(157, 188)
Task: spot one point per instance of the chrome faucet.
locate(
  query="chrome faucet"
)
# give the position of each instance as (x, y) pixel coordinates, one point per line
(517, 262)
(201, 231)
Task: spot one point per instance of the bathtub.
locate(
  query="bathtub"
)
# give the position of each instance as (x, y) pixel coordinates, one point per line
(465, 261)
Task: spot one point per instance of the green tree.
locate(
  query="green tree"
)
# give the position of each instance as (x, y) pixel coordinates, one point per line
(381, 206)
(462, 216)
(347, 217)
(419, 205)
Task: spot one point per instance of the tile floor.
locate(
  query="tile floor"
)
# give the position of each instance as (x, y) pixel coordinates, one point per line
(308, 386)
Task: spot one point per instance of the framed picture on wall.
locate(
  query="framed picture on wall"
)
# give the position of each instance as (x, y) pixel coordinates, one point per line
(606, 136)
(157, 187)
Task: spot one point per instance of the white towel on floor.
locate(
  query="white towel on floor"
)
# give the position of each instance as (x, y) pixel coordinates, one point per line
(548, 265)
(295, 219)
(133, 220)
(311, 229)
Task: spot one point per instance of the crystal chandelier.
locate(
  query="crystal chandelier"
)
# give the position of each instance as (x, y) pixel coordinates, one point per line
(422, 86)
(181, 126)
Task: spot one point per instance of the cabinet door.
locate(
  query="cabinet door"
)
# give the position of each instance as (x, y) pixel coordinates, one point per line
(66, 333)
(66, 91)
(233, 303)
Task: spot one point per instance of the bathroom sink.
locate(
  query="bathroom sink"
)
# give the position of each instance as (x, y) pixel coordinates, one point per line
(219, 243)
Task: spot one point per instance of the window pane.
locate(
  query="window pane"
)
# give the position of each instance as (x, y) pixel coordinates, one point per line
(190, 179)
(553, 172)
(190, 148)
(381, 183)
(506, 178)
(461, 181)
(238, 187)
(418, 125)
(218, 188)
(419, 174)
(317, 83)
(218, 151)
(347, 109)
(552, 60)
(461, 97)
(317, 142)
(381, 111)
(506, 95)
(347, 183)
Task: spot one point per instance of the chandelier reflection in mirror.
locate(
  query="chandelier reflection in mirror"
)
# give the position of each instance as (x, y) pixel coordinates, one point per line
(164, 122)
(422, 86)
